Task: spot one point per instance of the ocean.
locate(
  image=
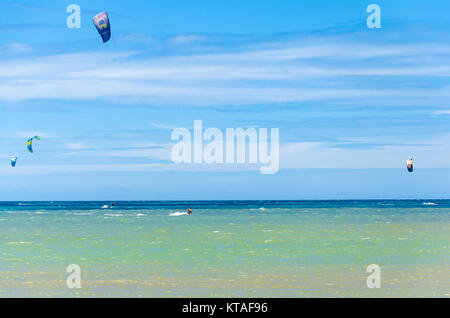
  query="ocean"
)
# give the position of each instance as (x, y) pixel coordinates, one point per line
(226, 248)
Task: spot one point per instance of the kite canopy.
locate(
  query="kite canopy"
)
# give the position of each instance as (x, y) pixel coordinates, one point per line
(30, 143)
(13, 162)
(409, 165)
(101, 22)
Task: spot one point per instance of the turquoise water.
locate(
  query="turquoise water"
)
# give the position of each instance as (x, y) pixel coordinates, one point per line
(226, 248)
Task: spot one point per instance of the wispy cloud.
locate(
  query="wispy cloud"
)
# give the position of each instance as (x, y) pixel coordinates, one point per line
(15, 47)
(28, 134)
(161, 126)
(187, 38)
(273, 72)
(76, 146)
(442, 112)
(427, 153)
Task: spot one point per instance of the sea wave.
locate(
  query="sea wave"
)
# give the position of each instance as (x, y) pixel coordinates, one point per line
(178, 213)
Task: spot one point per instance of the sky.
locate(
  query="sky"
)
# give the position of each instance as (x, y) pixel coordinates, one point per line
(352, 104)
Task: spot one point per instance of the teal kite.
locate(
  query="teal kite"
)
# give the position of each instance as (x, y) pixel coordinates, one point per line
(30, 143)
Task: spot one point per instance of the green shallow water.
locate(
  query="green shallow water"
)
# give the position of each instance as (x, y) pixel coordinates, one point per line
(258, 249)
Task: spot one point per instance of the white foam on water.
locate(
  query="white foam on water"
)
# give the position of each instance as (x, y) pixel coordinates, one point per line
(140, 214)
(429, 203)
(261, 208)
(109, 214)
(178, 213)
(105, 206)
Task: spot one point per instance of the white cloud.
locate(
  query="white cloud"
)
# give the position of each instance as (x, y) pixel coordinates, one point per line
(161, 126)
(15, 48)
(29, 134)
(428, 153)
(258, 74)
(442, 112)
(156, 167)
(187, 38)
(76, 146)
(204, 94)
(134, 38)
(151, 153)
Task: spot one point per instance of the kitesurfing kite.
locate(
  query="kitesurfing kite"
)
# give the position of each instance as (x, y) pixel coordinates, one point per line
(101, 22)
(409, 165)
(30, 143)
(13, 162)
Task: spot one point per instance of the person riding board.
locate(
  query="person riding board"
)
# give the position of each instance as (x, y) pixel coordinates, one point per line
(189, 211)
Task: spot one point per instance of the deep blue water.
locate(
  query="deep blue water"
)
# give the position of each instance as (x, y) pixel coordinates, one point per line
(221, 205)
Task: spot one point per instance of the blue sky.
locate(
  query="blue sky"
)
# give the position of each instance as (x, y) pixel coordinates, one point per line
(352, 103)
